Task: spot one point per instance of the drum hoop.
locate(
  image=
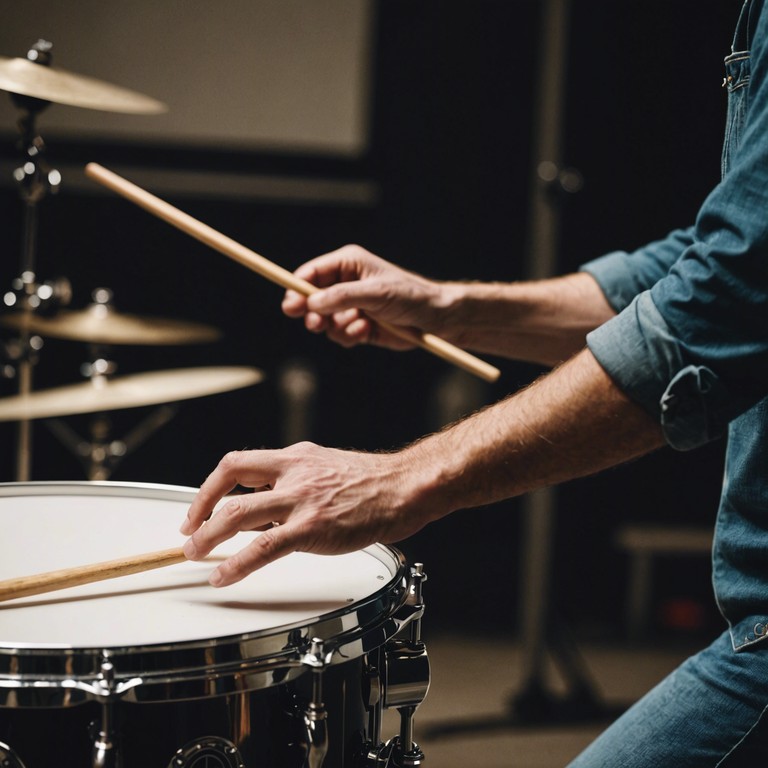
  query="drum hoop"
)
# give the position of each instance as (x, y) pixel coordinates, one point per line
(63, 676)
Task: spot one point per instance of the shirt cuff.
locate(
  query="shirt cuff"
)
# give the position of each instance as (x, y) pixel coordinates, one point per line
(615, 278)
(645, 361)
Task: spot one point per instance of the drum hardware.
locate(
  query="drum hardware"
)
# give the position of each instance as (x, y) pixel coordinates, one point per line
(26, 293)
(17, 352)
(315, 715)
(35, 179)
(210, 752)
(104, 751)
(371, 690)
(33, 84)
(102, 325)
(406, 675)
(22, 354)
(100, 455)
(8, 758)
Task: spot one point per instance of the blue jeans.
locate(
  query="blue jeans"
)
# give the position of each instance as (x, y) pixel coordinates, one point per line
(711, 711)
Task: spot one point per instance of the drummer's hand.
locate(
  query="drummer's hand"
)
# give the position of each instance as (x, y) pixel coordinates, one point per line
(326, 501)
(357, 286)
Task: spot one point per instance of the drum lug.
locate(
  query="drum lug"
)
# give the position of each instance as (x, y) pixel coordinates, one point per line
(315, 715)
(105, 687)
(407, 676)
(104, 754)
(372, 695)
(406, 680)
(412, 609)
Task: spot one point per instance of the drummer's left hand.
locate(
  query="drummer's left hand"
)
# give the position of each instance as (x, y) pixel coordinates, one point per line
(319, 500)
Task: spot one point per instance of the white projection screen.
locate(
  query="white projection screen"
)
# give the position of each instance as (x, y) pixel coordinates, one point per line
(252, 75)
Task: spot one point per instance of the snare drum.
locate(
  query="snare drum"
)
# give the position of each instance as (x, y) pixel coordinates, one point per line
(290, 667)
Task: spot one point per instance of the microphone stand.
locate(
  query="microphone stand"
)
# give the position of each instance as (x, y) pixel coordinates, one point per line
(535, 704)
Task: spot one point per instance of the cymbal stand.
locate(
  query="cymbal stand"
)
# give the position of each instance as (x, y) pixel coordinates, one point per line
(101, 454)
(35, 180)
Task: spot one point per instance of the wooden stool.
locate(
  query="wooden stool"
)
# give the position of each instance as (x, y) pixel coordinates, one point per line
(643, 543)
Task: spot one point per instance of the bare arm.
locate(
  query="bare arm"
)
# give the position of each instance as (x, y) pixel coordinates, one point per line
(571, 423)
(544, 321)
(539, 321)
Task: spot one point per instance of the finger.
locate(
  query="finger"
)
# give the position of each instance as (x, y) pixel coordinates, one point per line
(266, 548)
(294, 304)
(335, 325)
(316, 323)
(236, 468)
(234, 516)
(360, 330)
(249, 512)
(346, 263)
(349, 328)
(359, 294)
(324, 270)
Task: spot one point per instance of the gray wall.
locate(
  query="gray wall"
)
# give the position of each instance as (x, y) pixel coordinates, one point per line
(285, 74)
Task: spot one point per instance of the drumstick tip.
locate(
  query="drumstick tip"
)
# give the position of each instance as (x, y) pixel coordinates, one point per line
(93, 169)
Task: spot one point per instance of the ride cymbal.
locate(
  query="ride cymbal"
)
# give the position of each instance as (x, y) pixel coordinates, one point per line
(131, 391)
(40, 81)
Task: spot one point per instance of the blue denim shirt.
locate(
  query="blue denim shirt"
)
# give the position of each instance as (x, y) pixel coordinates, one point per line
(690, 342)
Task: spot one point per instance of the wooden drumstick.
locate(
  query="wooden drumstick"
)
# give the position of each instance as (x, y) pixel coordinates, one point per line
(270, 270)
(40, 583)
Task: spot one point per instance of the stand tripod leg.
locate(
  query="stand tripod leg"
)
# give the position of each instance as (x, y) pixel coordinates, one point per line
(543, 635)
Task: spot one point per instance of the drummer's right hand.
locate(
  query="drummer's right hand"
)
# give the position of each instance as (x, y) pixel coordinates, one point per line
(319, 500)
(358, 287)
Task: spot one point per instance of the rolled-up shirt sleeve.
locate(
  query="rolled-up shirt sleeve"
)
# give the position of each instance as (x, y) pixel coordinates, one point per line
(623, 275)
(690, 342)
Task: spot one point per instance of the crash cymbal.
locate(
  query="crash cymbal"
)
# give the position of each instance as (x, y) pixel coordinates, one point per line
(102, 324)
(130, 391)
(40, 81)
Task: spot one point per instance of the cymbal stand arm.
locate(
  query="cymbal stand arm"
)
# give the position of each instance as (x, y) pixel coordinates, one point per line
(117, 450)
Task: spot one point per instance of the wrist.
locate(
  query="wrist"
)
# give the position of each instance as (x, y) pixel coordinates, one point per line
(454, 306)
(427, 479)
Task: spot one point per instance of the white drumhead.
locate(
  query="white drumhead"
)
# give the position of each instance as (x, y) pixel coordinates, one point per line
(52, 526)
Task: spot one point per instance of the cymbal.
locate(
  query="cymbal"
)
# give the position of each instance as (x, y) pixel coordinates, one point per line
(131, 391)
(102, 324)
(40, 81)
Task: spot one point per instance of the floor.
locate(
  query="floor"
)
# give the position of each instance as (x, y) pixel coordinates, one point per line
(465, 719)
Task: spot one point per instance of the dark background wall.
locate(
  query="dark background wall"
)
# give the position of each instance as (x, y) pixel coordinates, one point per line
(447, 171)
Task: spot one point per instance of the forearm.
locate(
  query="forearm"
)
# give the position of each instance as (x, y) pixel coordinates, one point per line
(540, 321)
(571, 423)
